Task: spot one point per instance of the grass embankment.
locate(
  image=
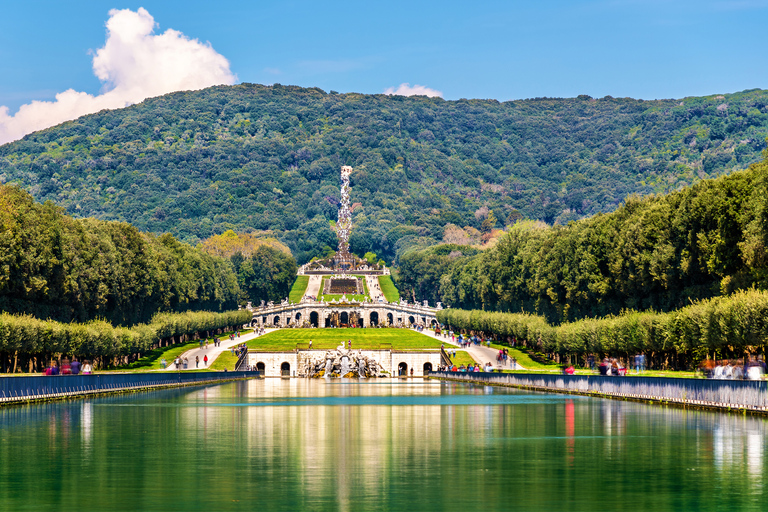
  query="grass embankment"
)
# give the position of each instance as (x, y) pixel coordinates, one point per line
(325, 339)
(525, 360)
(226, 361)
(298, 289)
(152, 359)
(329, 297)
(462, 358)
(389, 289)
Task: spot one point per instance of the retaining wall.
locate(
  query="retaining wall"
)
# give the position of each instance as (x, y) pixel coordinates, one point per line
(716, 394)
(42, 387)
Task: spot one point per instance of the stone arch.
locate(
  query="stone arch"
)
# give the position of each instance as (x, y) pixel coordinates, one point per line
(285, 369)
(260, 367)
(328, 322)
(402, 369)
(390, 319)
(374, 318)
(254, 322)
(276, 320)
(314, 319)
(344, 318)
(411, 320)
(433, 322)
(298, 317)
(360, 321)
(427, 367)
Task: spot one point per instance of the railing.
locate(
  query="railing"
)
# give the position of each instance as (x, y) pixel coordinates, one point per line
(722, 394)
(40, 387)
(242, 360)
(444, 357)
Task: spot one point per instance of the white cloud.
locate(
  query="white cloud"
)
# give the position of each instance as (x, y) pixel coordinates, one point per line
(134, 64)
(405, 89)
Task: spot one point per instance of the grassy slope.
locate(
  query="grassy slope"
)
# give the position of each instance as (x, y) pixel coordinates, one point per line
(389, 289)
(324, 339)
(298, 289)
(226, 360)
(151, 360)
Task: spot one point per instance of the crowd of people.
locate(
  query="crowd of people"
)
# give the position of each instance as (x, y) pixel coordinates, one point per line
(735, 369)
(468, 368)
(68, 367)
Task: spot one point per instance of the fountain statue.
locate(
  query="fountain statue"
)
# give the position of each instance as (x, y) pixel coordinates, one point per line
(341, 363)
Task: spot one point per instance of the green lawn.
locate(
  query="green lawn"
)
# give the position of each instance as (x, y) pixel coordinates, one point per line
(388, 289)
(462, 358)
(324, 339)
(525, 360)
(226, 360)
(298, 289)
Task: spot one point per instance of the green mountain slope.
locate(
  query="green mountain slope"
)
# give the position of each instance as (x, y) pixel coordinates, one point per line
(255, 157)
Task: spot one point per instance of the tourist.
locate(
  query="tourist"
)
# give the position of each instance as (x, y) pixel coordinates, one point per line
(568, 370)
(186, 363)
(66, 369)
(310, 344)
(87, 369)
(54, 368)
(75, 366)
(718, 372)
(197, 361)
(163, 363)
(205, 360)
(177, 362)
(514, 363)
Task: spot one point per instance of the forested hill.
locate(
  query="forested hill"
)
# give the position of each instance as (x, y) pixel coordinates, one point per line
(255, 157)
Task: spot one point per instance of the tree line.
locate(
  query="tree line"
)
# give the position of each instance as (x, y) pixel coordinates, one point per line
(654, 253)
(77, 270)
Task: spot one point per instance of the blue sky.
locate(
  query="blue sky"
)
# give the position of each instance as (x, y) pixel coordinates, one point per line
(482, 49)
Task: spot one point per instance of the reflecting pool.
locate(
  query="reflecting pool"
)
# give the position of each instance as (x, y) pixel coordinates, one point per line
(378, 445)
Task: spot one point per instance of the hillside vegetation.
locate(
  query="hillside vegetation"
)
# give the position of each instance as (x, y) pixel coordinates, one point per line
(251, 157)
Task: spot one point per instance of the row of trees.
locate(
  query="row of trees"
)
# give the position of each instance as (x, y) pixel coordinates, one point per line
(54, 266)
(658, 252)
(28, 343)
(722, 327)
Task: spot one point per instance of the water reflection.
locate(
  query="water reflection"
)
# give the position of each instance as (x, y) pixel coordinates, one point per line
(348, 445)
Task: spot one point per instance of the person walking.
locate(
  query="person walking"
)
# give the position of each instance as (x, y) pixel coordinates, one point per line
(197, 361)
(205, 360)
(310, 344)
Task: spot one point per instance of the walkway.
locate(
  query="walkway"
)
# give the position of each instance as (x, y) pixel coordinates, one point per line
(374, 290)
(313, 287)
(213, 352)
(480, 353)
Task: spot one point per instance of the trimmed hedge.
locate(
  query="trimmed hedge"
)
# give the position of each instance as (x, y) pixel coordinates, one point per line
(719, 327)
(26, 337)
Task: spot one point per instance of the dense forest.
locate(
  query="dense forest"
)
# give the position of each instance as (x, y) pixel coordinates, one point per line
(653, 253)
(251, 157)
(53, 266)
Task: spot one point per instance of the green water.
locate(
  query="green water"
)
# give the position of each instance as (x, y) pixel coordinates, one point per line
(310, 445)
